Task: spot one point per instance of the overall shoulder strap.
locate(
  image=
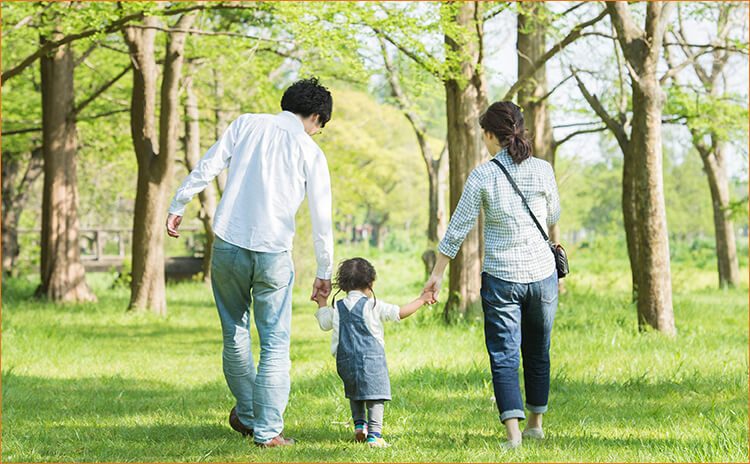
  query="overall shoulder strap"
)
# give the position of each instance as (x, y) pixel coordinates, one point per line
(518, 191)
(359, 306)
(341, 308)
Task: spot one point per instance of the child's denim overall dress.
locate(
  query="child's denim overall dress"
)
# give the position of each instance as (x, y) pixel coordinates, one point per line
(360, 359)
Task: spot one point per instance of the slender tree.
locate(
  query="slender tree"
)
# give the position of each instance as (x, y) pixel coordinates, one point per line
(437, 168)
(192, 155)
(709, 134)
(19, 173)
(466, 98)
(642, 49)
(154, 167)
(62, 274)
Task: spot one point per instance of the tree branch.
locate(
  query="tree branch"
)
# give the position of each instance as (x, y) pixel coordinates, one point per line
(101, 90)
(21, 131)
(404, 104)
(108, 113)
(85, 55)
(574, 34)
(571, 9)
(211, 33)
(598, 34)
(616, 128)
(491, 14)
(547, 95)
(409, 53)
(712, 46)
(111, 27)
(576, 124)
(557, 143)
(28, 18)
(676, 69)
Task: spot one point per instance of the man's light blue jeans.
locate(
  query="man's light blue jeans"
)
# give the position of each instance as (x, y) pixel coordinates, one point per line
(240, 277)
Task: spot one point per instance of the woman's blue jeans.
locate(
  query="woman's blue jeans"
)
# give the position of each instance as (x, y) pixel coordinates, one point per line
(239, 276)
(519, 316)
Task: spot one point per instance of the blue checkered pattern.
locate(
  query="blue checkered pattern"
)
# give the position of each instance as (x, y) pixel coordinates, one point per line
(514, 250)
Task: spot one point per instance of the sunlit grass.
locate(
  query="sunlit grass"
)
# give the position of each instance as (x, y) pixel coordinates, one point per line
(88, 382)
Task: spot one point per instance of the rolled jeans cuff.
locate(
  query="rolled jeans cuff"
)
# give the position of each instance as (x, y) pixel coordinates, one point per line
(536, 409)
(512, 414)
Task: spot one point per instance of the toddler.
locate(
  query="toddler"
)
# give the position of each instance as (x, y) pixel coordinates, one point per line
(357, 344)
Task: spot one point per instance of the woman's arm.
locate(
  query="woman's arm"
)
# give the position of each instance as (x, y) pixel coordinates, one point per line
(411, 308)
(553, 199)
(463, 217)
(432, 287)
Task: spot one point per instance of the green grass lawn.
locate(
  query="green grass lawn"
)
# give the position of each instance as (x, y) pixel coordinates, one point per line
(90, 383)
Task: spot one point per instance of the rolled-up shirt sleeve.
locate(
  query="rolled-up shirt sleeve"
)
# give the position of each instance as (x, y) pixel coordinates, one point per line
(318, 186)
(463, 217)
(215, 160)
(324, 316)
(387, 312)
(553, 198)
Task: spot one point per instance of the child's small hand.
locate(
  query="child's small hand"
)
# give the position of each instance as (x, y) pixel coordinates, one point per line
(427, 297)
(321, 300)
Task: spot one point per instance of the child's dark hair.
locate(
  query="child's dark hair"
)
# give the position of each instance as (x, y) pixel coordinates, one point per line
(354, 274)
(505, 120)
(306, 97)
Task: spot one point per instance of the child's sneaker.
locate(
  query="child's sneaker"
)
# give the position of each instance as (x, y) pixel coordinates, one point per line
(360, 433)
(376, 442)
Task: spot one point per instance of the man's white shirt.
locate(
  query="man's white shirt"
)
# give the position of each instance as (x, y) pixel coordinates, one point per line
(272, 164)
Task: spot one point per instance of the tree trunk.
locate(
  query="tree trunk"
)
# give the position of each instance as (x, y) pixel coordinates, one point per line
(442, 193)
(436, 212)
(713, 155)
(629, 218)
(192, 155)
(532, 95)
(62, 274)
(655, 283)
(726, 249)
(222, 121)
(642, 50)
(14, 196)
(466, 98)
(10, 167)
(154, 169)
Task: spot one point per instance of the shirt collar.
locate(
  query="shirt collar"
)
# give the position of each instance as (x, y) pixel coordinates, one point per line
(355, 294)
(291, 121)
(502, 155)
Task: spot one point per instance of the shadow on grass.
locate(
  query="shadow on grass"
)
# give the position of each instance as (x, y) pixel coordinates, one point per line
(116, 418)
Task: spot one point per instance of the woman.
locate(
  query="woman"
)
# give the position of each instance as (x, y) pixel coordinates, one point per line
(519, 277)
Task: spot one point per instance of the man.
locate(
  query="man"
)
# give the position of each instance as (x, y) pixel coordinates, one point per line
(272, 162)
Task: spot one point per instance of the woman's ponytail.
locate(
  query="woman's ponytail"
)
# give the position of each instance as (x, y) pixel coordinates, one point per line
(505, 120)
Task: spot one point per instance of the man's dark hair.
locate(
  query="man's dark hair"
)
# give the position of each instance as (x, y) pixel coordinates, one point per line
(306, 97)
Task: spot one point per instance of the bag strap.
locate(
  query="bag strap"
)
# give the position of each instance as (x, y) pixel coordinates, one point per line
(518, 191)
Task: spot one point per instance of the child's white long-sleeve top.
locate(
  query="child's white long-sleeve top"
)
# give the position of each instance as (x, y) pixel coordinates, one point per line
(374, 315)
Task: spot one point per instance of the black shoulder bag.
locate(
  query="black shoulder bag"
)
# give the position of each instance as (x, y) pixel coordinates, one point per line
(561, 258)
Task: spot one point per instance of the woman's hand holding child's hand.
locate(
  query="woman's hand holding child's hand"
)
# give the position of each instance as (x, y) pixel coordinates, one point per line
(426, 298)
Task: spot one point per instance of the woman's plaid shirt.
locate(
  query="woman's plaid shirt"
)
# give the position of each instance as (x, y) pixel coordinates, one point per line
(514, 250)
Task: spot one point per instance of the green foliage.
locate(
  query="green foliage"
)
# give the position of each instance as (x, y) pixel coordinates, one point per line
(725, 117)
(119, 387)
